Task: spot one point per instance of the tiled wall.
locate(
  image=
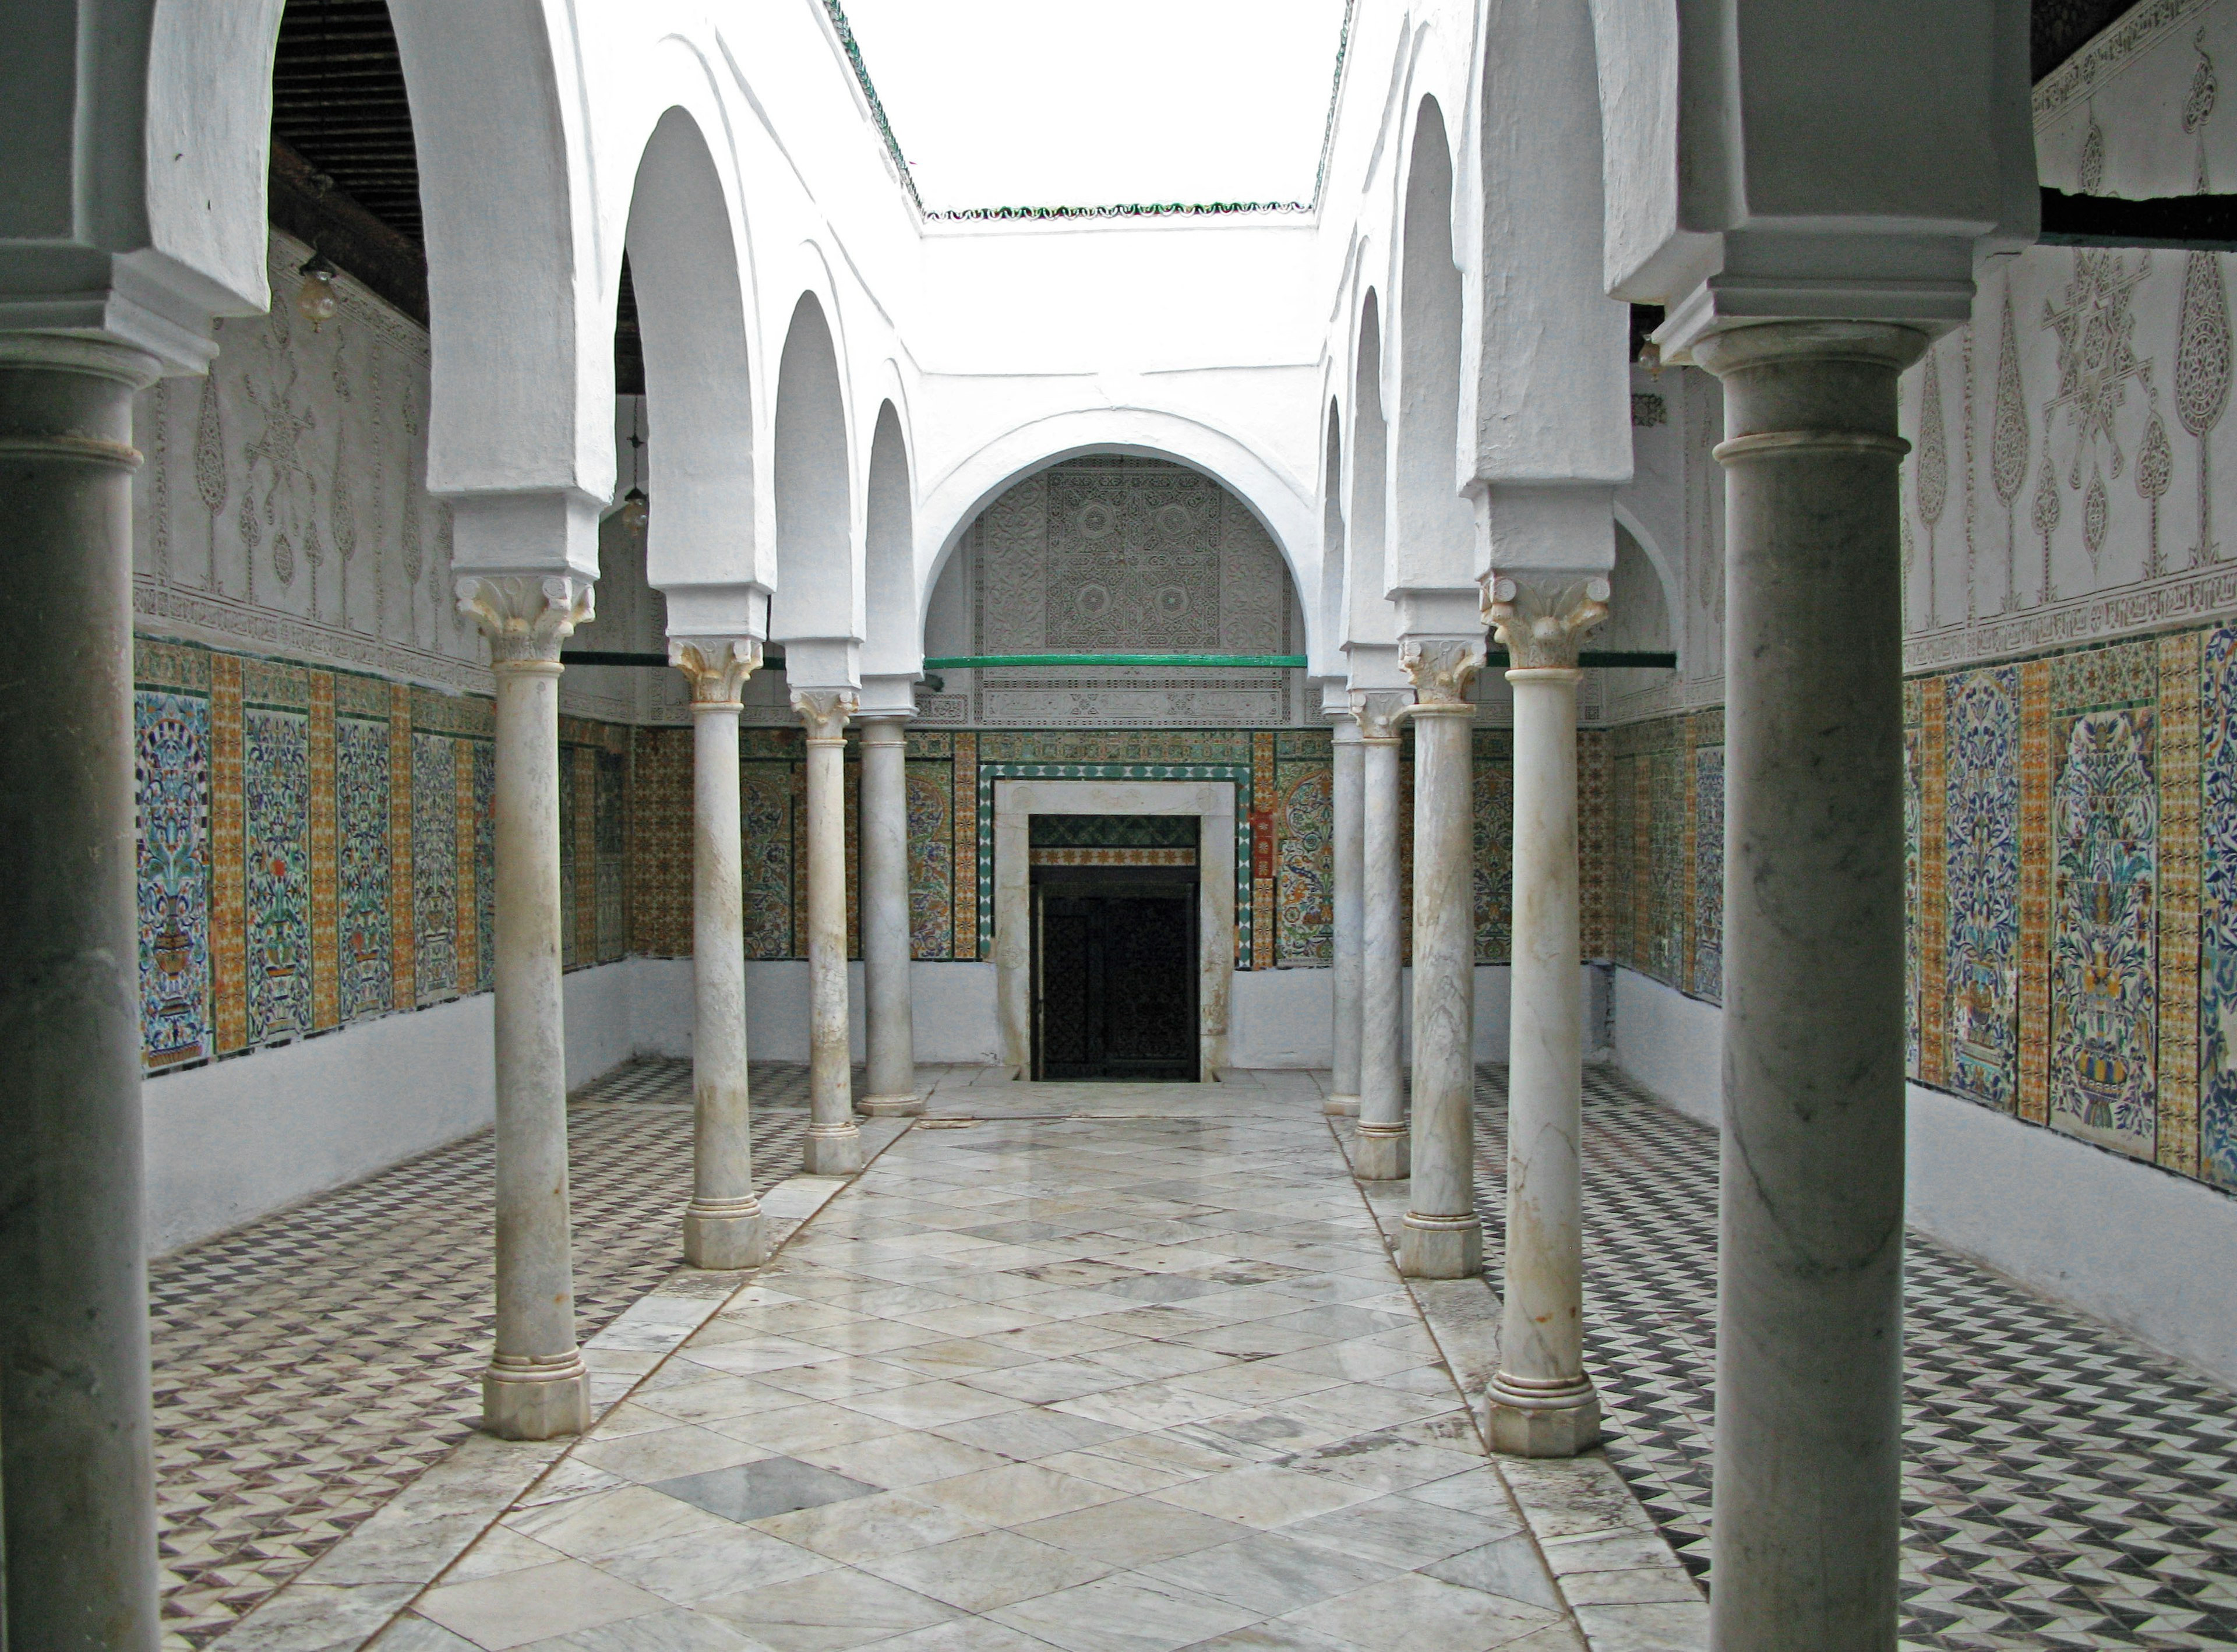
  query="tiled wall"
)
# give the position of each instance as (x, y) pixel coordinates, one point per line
(1285, 818)
(316, 847)
(2071, 871)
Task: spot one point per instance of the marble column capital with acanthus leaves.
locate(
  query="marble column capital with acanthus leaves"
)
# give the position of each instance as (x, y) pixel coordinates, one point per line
(1443, 672)
(716, 667)
(1541, 620)
(525, 616)
(825, 712)
(1378, 712)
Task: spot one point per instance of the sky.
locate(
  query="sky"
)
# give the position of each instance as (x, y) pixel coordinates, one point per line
(1082, 102)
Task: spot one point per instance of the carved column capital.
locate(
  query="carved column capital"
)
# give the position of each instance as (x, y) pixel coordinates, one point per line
(1442, 671)
(883, 728)
(716, 667)
(525, 617)
(1542, 622)
(824, 712)
(1377, 712)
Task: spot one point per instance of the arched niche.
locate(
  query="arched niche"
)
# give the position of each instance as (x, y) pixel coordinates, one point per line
(1369, 618)
(890, 633)
(1118, 553)
(1433, 539)
(817, 610)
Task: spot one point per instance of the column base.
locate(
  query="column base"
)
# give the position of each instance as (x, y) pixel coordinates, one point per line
(834, 1150)
(1381, 1153)
(1340, 1106)
(536, 1399)
(1525, 1418)
(726, 1237)
(1440, 1247)
(890, 1106)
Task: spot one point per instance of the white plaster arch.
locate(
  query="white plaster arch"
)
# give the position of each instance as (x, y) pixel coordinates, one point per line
(893, 637)
(702, 545)
(1431, 543)
(1328, 631)
(1666, 570)
(1287, 511)
(817, 610)
(1369, 618)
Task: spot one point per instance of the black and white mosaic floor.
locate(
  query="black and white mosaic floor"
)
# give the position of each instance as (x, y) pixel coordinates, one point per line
(310, 1365)
(2063, 1486)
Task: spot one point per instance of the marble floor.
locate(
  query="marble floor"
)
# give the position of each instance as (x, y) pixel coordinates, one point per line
(1132, 1382)
(309, 1365)
(2063, 1486)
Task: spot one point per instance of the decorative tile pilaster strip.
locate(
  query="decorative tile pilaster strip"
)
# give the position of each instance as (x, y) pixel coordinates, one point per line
(2177, 1145)
(228, 898)
(970, 878)
(2034, 891)
(1688, 859)
(325, 902)
(798, 777)
(1933, 889)
(585, 759)
(1642, 863)
(1264, 856)
(465, 901)
(403, 931)
(853, 821)
(1593, 869)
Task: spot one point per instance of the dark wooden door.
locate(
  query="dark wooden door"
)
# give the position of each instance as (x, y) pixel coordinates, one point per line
(1117, 974)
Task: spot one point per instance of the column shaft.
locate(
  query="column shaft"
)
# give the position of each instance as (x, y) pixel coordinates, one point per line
(835, 1144)
(722, 1226)
(1540, 1403)
(535, 1386)
(885, 902)
(74, 1392)
(1380, 1146)
(1442, 1237)
(1350, 803)
(1810, 1254)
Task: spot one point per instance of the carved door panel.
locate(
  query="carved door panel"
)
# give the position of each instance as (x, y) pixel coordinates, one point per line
(1116, 984)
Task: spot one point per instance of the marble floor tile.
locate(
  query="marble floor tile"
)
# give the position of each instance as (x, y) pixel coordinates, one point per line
(1126, 1612)
(1421, 1614)
(1264, 1496)
(896, 1461)
(706, 1563)
(1135, 1532)
(992, 1569)
(607, 1522)
(1268, 1574)
(517, 1608)
(774, 1485)
(885, 1523)
(663, 1453)
(829, 1612)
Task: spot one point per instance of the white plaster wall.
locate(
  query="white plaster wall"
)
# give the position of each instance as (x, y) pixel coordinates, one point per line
(2148, 1252)
(954, 1004)
(238, 1139)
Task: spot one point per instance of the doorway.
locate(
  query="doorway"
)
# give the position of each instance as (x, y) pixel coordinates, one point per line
(1116, 950)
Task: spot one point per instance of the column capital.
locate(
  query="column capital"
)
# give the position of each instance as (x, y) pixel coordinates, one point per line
(883, 728)
(1541, 620)
(1378, 711)
(525, 617)
(824, 712)
(1443, 669)
(716, 667)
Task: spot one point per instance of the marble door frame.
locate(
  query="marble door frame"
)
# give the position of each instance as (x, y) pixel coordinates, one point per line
(1015, 804)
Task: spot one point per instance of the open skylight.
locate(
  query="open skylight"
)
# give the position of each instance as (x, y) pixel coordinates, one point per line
(1069, 103)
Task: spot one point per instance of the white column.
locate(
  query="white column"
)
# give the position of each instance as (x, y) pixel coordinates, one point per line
(722, 1225)
(1809, 1247)
(891, 1034)
(835, 1144)
(1542, 1404)
(75, 1416)
(1349, 803)
(1380, 1144)
(1442, 1237)
(535, 1386)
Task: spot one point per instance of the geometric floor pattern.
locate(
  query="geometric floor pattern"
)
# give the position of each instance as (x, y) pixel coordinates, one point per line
(309, 1365)
(1107, 1385)
(2063, 1486)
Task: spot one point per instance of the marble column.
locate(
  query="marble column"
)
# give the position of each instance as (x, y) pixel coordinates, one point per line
(1350, 801)
(1442, 1237)
(74, 1425)
(722, 1225)
(891, 1034)
(1540, 1402)
(1809, 1248)
(535, 1386)
(835, 1144)
(1380, 1144)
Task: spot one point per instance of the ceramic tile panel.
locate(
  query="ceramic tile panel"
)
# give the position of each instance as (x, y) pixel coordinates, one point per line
(276, 789)
(611, 836)
(1912, 925)
(2177, 1138)
(1981, 888)
(2104, 998)
(364, 859)
(403, 927)
(1493, 777)
(765, 806)
(1304, 899)
(172, 778)
(435, 864)
(1708, 865)
(1264, 857)
(931, 805)
(660, 843)
(486, 859)
(1666, 826)
(1933, 907)
(968, 868)
(1623, 825)
(582, 761)
(1595, 869)
(228, 849)
(326, 858)
(2217, 1098)
(465, 950)
(571, 908)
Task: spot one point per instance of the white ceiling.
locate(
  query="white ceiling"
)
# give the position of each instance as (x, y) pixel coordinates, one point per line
(1088, 103)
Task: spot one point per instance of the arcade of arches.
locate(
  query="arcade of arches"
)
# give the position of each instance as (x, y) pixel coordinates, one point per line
(1496, 911)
